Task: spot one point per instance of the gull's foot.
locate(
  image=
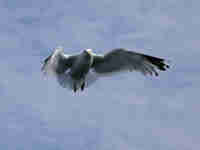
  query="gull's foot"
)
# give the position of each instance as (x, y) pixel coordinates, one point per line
(75, 88)
(83, 86)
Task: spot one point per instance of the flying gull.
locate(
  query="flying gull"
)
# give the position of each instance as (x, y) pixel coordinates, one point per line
(81, 70)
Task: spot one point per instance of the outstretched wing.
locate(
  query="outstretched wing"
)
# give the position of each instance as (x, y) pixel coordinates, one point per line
(123, 60)
(57, 63)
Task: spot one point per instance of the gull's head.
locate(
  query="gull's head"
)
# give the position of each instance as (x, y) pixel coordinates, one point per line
(89, 51)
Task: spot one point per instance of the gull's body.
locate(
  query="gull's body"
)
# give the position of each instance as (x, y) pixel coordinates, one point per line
(80, 70)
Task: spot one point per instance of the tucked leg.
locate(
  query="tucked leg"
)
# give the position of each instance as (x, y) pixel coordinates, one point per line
(83, 86)
(75, 88)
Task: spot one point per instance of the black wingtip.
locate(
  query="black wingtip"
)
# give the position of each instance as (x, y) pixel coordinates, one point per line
(158, 62)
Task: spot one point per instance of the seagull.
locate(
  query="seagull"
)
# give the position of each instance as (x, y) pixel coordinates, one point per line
(81, 70)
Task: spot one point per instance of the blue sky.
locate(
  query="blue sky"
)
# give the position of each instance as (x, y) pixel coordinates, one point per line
(129, 111)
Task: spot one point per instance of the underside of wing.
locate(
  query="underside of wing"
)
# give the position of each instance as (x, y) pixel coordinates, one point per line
(66, 81)
(57, 63)
(123, 60)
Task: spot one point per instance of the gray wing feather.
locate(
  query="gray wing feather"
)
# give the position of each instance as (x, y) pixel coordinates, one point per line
(124, 60)
(64, 63)
(57, 63)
